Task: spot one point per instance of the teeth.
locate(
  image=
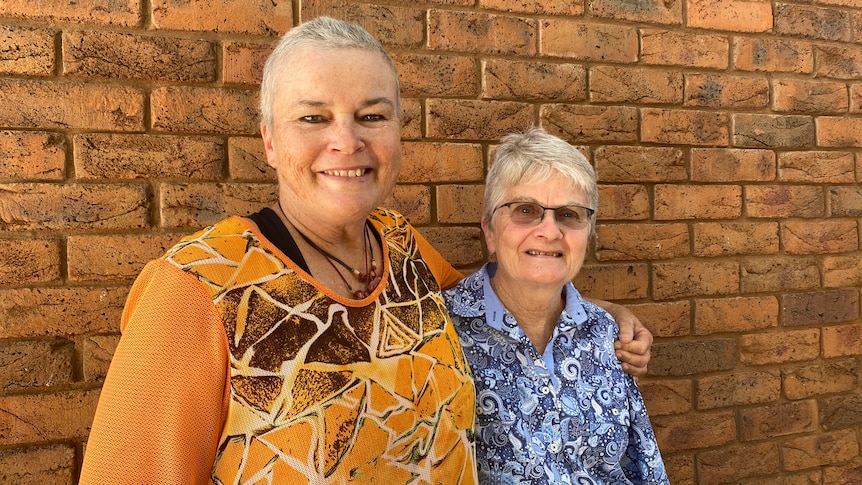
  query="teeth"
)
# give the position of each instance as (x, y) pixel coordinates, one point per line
(543, 253)
(346, 173)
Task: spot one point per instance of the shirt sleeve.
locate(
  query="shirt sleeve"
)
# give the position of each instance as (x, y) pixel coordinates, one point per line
(163, 402)
(642, 462)
(445, 274)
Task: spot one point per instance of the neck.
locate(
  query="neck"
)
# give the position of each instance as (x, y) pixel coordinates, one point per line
(537, 310)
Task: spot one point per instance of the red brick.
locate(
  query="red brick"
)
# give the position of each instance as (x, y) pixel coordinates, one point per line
(460, 204)
(32, 155)
(816, 97)
(247, 160)
(666, 319)
(674, 202)
(392, 25)
(475, 120)
(838, 412)
(844, 474)
(690, 357)
(28, 261)
(855, 98)
(240, 16)
(820, 449)
(820, 307)
(680, 468)
(783, 201)
(735, 238)
(684, 127)
(128, 56)
(732, 165)
(38, 465)
(67, 105)
(113, 258)
(207, 110)
(835, 131)
(60, 311)
(817, 167)
(450, 30)
(772, 55)
(441, 162)
(738, 389)
(845, 201)
(25, 207)
(609, 84)
(653, 241)
(817, 22)
(639, 164)
(842, 270)
(36, 364)
(651, 11)
(838, 62)
(199, 205)
(779, 347)
(96, 356)
(533, 80)
(121, 13)
(26, 51)
(819, 237)
(732, 15)
(37, 418)
(532, 7)
(779, 274)
(723, 91)
(242, 62)
(730, 465)
(736, 314)
(427, 75)
(614, 282)
(461, 246)
(412, 122)
(830, 377)
(674, 48)
(773, 131)
(585, 124)
(693, 278)
(413, 201)
(588, 41)
(842, 340)
(625, 202)
(663, 397)
(694, 431)
(107, 156)
(778, 420)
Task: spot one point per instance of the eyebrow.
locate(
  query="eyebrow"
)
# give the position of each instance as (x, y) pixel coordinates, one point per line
(368, 102)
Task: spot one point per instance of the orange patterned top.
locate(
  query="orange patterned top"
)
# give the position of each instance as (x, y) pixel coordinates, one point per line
(235, 366)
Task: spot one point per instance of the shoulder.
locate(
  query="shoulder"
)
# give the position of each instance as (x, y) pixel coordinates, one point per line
(467, 298)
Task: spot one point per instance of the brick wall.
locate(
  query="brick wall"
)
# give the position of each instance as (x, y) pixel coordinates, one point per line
(726, 135)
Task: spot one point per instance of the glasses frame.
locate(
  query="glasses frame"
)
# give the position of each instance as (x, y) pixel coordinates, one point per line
(508, 205)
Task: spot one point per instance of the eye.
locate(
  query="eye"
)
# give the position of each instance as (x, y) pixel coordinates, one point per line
(374, 117)
(528, 209)
(312, 119)
(569, 214)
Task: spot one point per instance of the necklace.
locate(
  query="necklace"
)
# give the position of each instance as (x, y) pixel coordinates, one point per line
(369, 278)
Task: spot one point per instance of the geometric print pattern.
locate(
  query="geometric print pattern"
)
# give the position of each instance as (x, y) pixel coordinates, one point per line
(330, 390)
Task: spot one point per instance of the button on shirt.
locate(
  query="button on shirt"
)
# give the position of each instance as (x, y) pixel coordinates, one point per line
(570, 415)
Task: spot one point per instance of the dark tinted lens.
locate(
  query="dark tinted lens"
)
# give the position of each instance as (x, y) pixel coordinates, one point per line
(525, 213)
(574, 217)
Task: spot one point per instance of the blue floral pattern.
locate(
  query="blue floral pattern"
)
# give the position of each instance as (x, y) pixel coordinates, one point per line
(571, 415)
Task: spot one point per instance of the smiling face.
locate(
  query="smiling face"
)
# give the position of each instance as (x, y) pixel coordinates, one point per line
(335, 138)
(544, 256)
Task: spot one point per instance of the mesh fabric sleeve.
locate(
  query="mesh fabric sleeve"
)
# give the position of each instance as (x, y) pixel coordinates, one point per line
(445, 274)
(164, 398)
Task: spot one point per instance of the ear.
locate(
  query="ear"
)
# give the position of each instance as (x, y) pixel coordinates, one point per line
(490, 241)
(268, 145)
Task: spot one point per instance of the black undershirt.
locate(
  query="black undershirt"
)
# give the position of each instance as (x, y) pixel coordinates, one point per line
(274, 230)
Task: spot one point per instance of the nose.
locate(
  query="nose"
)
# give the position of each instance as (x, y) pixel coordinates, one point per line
(548, 226)
(346, 137)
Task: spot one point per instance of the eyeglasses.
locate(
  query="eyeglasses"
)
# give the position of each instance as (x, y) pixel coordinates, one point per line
(529, 214)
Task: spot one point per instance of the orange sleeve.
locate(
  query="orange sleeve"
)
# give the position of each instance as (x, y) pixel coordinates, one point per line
(163, 402)
(445, 274)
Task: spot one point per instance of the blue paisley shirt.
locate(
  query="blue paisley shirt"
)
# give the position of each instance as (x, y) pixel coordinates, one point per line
(569, 416)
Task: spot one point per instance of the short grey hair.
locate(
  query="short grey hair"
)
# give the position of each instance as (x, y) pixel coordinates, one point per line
(533, 157)
(322, 33)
